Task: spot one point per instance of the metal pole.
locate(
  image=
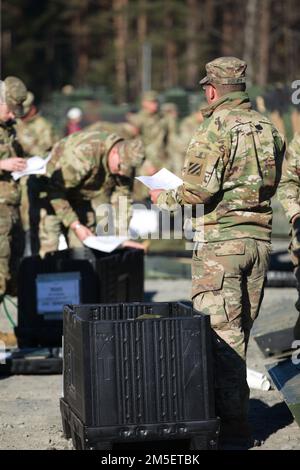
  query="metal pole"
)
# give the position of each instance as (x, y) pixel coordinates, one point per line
(146, 66)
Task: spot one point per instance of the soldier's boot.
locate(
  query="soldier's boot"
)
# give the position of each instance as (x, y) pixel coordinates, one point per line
(9, 339)
(237, 434)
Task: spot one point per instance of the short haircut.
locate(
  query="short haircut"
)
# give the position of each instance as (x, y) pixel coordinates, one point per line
(224, 89)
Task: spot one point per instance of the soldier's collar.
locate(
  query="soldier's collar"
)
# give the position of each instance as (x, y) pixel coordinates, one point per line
(31, 118)
(229, 101)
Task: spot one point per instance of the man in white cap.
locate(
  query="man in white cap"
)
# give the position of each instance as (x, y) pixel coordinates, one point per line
(74, 116)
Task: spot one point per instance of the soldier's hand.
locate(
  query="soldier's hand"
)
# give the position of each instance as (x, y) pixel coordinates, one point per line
(13, 164)
(154, 195)
(81, 231)
(132, 244)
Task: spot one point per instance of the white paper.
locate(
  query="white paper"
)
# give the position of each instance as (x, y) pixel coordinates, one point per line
(35, 166)
(143, 222)
(107, 244)
(163, 179)
(62, 242)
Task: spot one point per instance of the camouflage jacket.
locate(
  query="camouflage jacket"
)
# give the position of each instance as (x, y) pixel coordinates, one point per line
(289, 186)
(232, 166)
(187, 129)
(154, 132)
(10, 192)
(174, 149)
(36, 135)
(78, 171)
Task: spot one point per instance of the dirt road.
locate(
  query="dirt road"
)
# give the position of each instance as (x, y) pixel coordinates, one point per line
(29, 409)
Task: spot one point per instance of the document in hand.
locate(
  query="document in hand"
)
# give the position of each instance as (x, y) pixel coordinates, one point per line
(143, 222)
(104, 243)
(163, 179)
(35, 166)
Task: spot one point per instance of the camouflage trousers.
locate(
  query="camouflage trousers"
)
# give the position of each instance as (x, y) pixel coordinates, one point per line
(11, 248)
(227, 284)
(50, 228)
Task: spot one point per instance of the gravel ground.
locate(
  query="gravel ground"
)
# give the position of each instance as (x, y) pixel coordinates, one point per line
(29, 410)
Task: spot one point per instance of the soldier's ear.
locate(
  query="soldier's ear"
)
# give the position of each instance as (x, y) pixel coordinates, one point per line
(212, 92)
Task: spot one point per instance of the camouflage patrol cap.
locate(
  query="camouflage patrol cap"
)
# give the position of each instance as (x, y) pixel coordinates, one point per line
(28, 102)
(150, 95)
(132, 155)
(15, 95)
(111, 140)
(225, 71)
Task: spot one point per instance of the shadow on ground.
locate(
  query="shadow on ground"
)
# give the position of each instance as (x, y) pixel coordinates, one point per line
(267, 420)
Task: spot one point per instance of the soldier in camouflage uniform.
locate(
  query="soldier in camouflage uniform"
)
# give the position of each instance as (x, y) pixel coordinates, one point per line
(88, 169)
(35, 133)
(289, 196)
(188, 127)
(153, 129)
(170, 113)
(13, 94)
(179, 139)
(274, 116)
(233, 167)
(174, 155)
(37, 136)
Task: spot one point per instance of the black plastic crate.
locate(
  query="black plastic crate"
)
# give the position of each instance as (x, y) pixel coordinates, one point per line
(281, 279)
(90, 438)
(138, 371)
(103, 277)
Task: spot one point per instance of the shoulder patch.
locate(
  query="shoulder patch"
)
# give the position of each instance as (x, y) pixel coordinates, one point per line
(194, 168)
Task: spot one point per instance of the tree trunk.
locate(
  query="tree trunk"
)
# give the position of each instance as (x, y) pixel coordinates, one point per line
(289, 41)
(83, 59)
(192, 36)
(264, 49)
(228, 28)
(142, 34)
(121, 36)
(79, 32)
(249, 41)
(5, 44)
(209, 15)
(171, 66)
